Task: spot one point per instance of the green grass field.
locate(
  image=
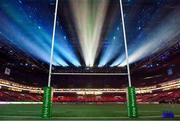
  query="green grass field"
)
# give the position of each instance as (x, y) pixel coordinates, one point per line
(86, 112)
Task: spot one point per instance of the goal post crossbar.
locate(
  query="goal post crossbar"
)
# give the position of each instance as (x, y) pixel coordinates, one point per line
(92, 74)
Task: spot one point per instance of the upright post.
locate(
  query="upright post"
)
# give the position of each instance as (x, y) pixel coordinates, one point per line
(48, 91)
(131, 96)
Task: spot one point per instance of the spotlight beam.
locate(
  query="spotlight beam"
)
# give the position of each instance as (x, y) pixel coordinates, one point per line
(89, 19)
(34, 37)
(151, 42)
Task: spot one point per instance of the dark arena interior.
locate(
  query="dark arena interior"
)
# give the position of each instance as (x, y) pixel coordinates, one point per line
(82, 59)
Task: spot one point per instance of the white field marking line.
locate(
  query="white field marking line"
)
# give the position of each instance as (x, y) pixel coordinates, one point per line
(19, 116)
(80, 120)
(97, 111)
(85, 120)
(150, 111)
(28, 111)
(66, 117)
(21, 103)
(139, 111)
(155, 116)
(82, 117)
(110, 117)
(122, 117)
(78, 117)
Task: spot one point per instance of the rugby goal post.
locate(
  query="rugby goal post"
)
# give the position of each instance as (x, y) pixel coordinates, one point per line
(131, 96)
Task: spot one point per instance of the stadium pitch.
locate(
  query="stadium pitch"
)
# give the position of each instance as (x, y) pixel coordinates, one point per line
(86, 111)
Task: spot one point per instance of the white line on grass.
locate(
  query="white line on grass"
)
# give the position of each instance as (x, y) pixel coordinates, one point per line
(122, 117)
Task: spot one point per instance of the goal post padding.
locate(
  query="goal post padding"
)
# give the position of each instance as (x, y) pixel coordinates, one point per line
(131, 103)
(47, 102)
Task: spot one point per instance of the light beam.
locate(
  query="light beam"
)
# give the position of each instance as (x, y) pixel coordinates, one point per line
(150, 42)
(89, 18)
(32, 36)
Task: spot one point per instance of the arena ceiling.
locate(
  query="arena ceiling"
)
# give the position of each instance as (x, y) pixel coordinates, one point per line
(89, 32)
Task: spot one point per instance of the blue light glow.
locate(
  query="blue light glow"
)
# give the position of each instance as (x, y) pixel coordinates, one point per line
(153, 38)
(114, 44)
(150, 27)
(27, 28)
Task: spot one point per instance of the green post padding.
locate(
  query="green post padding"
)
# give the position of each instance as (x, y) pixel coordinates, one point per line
(131, 103)
(47, 102)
